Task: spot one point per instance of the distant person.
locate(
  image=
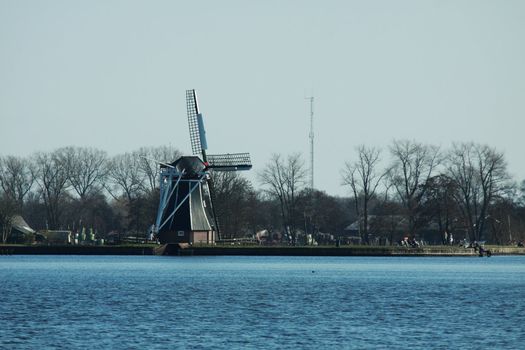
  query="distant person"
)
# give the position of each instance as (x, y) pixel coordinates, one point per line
(445, 238)
(151, 233)
(484, 252)
(451, 239)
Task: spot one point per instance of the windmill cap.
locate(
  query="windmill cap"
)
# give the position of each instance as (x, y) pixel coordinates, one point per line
(191, 165)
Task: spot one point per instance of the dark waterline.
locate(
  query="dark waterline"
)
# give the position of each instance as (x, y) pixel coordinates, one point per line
(132, 302)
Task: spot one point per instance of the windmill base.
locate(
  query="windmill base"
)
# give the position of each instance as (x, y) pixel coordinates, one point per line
(191, 237)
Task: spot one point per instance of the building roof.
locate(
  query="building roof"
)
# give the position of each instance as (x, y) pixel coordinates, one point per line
(191, 165)
(21, 225)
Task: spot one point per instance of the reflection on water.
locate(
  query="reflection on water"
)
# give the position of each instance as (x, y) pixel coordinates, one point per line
(67, 302)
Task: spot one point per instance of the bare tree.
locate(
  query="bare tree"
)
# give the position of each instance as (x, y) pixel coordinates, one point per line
(51, 174)
(283, 180)
(480, 173)
(8, 209)
(363, 177)
(441, 204)
(232, 192)
(87, 169)
(414, 164)
(126, 186)
(322, 215)
(521, 193)
(16, 178)
(150, 157)
(125, 175)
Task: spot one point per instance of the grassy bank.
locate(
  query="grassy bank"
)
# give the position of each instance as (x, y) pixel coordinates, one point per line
(153, 249)
(333, 251)
(128, 249)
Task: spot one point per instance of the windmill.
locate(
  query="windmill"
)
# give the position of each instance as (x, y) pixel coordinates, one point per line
(186, 213)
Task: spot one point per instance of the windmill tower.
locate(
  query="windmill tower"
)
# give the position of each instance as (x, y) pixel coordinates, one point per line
(186, 213)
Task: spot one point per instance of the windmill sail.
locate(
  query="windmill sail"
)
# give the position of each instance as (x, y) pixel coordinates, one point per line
(230, 162)
(196, 124)
(202, 132)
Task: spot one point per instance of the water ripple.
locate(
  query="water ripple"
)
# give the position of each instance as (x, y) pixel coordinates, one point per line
(78, 302)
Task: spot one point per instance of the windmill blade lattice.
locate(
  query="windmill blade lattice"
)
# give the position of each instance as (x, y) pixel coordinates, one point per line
(229, 162)
(193, 121)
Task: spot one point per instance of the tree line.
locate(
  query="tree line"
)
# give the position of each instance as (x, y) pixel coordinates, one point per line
(407, 189)
(466, 188)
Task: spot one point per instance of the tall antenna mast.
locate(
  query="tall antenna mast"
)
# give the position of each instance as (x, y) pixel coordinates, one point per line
(311, 136)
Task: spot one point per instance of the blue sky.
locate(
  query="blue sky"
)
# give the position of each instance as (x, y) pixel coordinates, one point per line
(113, 74)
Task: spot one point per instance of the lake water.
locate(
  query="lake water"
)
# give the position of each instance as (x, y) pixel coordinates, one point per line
(153, 302)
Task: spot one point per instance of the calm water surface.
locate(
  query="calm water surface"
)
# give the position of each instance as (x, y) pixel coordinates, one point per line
(144, 302)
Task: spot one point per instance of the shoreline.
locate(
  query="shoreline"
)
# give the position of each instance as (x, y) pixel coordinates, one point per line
(176, 250)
